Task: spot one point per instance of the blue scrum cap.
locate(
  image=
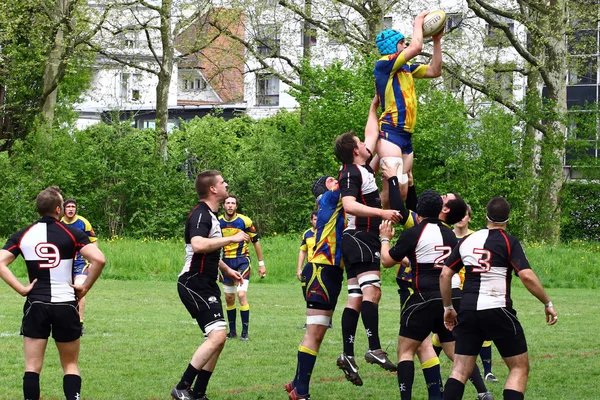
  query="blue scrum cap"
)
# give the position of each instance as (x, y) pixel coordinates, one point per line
(387, 40)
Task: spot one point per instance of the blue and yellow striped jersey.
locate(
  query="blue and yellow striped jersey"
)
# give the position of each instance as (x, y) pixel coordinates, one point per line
(84, 225)
(308, 243)
(330, 228)
(230, 228)
(396, 91)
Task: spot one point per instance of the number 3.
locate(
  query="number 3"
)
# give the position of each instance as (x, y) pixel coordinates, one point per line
(484, 261)
(49, 253)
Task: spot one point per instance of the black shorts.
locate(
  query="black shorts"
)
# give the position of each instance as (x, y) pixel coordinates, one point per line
(497, 324)
(40, 318)
(361, 251)
(321, 285)
(421, 317)
(202, 298)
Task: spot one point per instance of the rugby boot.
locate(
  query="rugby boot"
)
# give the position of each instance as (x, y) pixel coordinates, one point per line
(244, 337)
(289, 386)
(380, 358)
(295, 396)
(231, 335)
(485, 396)
(491, 378)
(348, 365)
(182, 394)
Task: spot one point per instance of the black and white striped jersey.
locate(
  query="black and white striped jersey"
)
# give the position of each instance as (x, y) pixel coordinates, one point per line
(202, 222)
(489, 257)
(426, 245)
(359, 182)
(49, 247)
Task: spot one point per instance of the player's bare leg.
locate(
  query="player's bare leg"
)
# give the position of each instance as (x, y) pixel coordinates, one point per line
(34, 360)
(518, 372)
(69, 356)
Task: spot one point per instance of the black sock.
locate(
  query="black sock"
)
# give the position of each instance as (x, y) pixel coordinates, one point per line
(411, 198)
(406, 377)
(370, 319)
(454, 389)
(477, 380)
(72, 387)
(31, 386)
(188, 377)
(202, 382)
(486, 359)
(349, 324)
(512, 395)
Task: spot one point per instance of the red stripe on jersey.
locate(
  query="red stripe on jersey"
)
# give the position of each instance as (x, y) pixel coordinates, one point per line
(508, 271)
(23, 235)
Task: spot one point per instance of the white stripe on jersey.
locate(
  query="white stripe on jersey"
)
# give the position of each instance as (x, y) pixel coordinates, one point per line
(492, 284)
(431, 237)
(34, 244)
(215, 231)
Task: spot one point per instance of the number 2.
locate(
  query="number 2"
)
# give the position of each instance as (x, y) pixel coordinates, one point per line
(439, 262)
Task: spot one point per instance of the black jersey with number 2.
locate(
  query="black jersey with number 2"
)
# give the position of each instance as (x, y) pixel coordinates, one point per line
(426, 245)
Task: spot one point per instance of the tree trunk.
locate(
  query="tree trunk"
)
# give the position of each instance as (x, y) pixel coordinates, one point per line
(164, 76)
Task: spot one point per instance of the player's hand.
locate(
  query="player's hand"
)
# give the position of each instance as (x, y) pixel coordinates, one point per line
(388, 171)
(450, 319)
(386, 230)
(239, 237)
(391, 215)
(262, 271)
(28, 288)
(80, 290)
(551, 315)
(235, 276)
(421, 15)
(438, 36)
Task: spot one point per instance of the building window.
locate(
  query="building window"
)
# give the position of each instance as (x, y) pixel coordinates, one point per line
(337, 32)
(582, 137)
(193, 84)
(129, 87)
(267, 40)
(267, 90)
(309, 33)
(583, 71)
(388, 22)
(453, 21)
(125, 77)
(499, 79)
(495, 37)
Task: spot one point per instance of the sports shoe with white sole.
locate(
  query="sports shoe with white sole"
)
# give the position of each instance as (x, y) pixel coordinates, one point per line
(485, 396)
(380, 358)
(348, 365)
(491, 378)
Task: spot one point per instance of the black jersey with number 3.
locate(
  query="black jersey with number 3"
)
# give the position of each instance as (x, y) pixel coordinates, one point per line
(489, 257)
(426, 245)
(49, 247)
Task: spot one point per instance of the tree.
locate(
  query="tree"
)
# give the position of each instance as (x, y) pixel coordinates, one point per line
(160, 23)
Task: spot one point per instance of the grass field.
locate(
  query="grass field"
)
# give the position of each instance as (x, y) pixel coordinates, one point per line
(139, 338)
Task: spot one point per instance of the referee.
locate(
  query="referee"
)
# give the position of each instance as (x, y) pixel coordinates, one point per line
(48, 247)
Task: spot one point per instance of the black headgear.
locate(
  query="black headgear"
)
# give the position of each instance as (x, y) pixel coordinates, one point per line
(319, 187)
(430, 204)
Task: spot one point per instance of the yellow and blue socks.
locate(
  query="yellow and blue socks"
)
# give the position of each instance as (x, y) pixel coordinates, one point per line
(486, 357)
(306, 364)
(231, 319)
(433, 378)
(245, 315)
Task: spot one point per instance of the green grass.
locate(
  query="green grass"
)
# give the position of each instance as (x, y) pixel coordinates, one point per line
(139, 339)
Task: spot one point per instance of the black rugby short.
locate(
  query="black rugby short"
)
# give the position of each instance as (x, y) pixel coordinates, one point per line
(202, 298)
(39, 318)
(361, 250)
(321, 285)
(421, 317)
(497, 324)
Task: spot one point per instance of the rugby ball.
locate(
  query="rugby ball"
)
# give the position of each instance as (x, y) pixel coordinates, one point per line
(434, 22)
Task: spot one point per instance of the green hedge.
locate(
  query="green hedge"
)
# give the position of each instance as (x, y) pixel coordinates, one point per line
(580, 207)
